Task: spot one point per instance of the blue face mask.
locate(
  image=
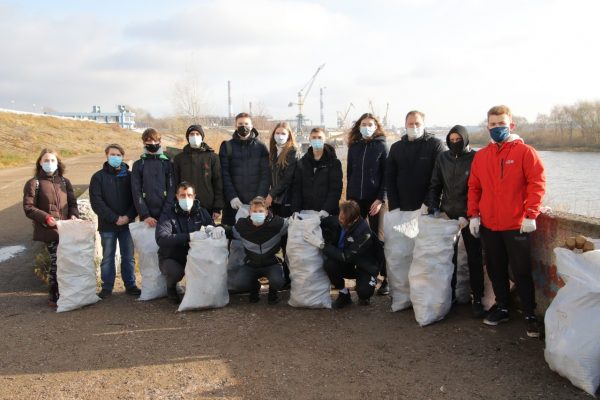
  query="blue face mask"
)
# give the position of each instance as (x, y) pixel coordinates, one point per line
(186, 204)
(317, 144)
(115, 161)
(499, 133)
(258, 218)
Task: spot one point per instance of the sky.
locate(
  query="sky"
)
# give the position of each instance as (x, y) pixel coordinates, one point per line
(451, 59)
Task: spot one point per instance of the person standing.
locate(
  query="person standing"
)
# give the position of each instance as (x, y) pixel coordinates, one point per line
(506, 188)
(47, 198)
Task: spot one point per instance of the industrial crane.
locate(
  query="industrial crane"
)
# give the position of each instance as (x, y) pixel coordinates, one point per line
(385, 117)
(341, 120)
(301, 96)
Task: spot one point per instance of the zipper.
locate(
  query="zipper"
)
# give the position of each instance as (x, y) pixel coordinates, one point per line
(362, 171)
(58, 208)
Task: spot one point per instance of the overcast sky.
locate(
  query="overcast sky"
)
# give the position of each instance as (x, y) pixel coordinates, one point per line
(451, 59)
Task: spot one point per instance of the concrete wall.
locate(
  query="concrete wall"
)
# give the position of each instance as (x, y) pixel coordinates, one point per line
(552, 231)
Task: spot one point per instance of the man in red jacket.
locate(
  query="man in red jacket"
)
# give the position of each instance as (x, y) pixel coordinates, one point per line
(506, 188)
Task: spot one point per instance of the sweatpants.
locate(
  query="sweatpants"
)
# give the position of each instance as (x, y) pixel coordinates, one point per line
(474, 260)
(337, 271)
(247, 276)
(504, 248)
(173, 270)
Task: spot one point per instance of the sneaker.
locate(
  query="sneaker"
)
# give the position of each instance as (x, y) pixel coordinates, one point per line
(533, 328)
(134, 291)
(496, 316)
(342, 300)
(52, 304)
(477, 309)
(384, 289)
(273, 297)
(254, 296)
(364, 302)
(172, 295)
(104, 293)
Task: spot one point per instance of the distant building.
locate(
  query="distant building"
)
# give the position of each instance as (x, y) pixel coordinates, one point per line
(123, 118)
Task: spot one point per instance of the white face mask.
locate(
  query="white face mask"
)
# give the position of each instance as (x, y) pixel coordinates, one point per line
(415, 133)
(281, 139)
(186, 204)
(367, 131)
(195, 141)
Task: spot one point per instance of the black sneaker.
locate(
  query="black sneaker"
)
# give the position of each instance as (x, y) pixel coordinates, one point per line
(496, 316)
(134, 291)
(384, 289)
(364, 302)
(477, 309)
(273, 297)
(533, 328)
(254, 296)
(172, 295)
(342, 300)
(104, 294)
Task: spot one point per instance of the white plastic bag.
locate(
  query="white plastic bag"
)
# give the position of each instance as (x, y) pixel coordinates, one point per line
(206, 274)
(310, 284)
(236, 256)
(154, 284)
(573, 320)
(76, 269)
(400, 230)
(431, 269)
(463, 282)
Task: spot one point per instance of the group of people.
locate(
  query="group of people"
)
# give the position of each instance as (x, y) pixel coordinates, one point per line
(494, 193)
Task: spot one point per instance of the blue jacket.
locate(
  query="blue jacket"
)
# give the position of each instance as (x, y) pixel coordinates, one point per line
(365, 171)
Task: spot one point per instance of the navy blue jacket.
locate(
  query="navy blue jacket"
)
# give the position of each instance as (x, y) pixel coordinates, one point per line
(365, 171)
(246, 172)
(110, 197)
(152, 185)
(174, 228)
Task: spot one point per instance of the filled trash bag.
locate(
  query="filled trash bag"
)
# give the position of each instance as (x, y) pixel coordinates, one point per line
(400, 230)
(431, 270)
(76, 269)
(310, 285)
(154, 284)
(572, 321)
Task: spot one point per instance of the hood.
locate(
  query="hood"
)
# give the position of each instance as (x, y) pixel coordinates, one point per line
(203, 147)
(106, 167)
(464, 134)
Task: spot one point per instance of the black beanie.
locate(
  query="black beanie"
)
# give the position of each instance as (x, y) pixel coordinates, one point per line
(197, 128)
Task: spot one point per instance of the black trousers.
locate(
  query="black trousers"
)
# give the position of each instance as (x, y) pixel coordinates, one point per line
(228, 216)
(173, 270)
(284, 212)
(504, 248)
(52, 281)
(337, 271)
(474, 260)
(365, 207)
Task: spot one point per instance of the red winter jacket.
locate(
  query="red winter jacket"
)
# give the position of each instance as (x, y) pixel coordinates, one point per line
(507, 184)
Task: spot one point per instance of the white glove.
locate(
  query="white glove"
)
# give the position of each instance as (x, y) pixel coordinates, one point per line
(474, 226)
(217, 233)
(323, 214)
(528, 225)
(208, 228)
(424, 209)
(463, 222)
(236, 203)
(311, 238)
(198, 235)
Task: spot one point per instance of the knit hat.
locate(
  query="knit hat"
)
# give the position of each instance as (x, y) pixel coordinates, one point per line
(197, 128)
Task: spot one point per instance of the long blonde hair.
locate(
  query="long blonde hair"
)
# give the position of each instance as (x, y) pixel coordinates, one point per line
(289, 145)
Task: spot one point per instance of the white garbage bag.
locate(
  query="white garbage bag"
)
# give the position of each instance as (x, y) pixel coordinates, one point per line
(463, 282)
(310, 284)
(400, 229)
(206, 274)
(76, 269)
(431, 269)
(154, 284)
(236, 256)
(573, 320)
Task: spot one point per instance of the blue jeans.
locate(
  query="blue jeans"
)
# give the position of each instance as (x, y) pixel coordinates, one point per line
(107, 267)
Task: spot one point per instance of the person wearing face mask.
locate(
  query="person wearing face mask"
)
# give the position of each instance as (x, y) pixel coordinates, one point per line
(174, 231)
(112, 201)
(318, 178)
(261, 234)
(244, 166)
(365, 172)
(47, 198)
(199, 165)
(448, 193)
(152, 181)
(506, 188)
(352, 251)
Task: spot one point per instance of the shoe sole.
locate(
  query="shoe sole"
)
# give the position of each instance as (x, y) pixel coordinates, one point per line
(495, 323)
(533, 334)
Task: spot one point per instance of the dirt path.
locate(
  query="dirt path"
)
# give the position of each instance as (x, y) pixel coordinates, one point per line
(121, 348)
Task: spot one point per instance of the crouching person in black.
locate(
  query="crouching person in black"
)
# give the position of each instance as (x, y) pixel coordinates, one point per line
(352, 251)
(175, 228)
(260, 234)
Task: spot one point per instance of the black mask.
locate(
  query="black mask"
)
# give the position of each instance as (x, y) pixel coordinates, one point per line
(153, 148)
(456, 147)
(243, 131)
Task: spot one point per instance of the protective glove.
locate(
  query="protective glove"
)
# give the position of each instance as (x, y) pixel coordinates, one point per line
(198, 235)
(424, 209)
(313, 239)
(528, 225)
(217, 233)
(236, 203)
(208, 229)
(474, 226)
(463, 222)
(323, 214)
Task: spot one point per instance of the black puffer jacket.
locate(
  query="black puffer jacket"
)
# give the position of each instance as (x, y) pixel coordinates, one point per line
(449, 180)
(318, 183)
(261, 243)
(246, 171)
(282, 178)
(365, 171)
(152, 185)
(174, 228)
(408, 171)
(202, 168)
(110, 197)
